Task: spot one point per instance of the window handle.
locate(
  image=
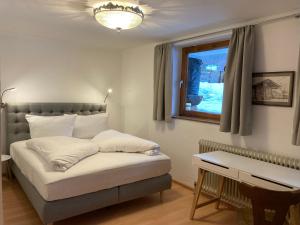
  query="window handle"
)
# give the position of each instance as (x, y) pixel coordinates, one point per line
(180, 83)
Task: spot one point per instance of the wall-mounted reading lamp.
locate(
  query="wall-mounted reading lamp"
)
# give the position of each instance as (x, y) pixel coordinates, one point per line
(109, 91)
(2, 95)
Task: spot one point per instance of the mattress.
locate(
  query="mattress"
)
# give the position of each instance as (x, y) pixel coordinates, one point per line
(98, 172)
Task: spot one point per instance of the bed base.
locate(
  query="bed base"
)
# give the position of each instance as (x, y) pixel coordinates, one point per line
(50, 212)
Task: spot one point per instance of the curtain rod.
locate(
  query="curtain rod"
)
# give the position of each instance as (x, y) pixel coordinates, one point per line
(291, 14)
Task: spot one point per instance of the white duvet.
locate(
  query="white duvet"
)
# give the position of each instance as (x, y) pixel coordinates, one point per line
(97, 172)
(114, 141)
(62, 152)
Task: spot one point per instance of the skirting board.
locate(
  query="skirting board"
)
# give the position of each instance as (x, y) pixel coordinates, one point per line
(183, 185)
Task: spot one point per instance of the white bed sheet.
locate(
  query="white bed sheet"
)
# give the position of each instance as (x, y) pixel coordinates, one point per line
(98, 172)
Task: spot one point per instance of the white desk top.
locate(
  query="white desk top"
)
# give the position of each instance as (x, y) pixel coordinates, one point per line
(268, 171)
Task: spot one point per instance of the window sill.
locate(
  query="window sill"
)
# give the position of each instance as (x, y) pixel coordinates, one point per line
(197, 119)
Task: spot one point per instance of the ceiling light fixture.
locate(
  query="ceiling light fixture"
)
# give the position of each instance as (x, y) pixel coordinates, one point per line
(119, 15)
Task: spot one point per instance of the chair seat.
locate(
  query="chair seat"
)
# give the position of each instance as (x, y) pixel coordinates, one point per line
(269, 207)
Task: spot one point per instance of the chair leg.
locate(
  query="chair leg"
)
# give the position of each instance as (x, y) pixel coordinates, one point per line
(258, 213)
(220, 190)
(161, 196)
(280, 215)
(201, 176)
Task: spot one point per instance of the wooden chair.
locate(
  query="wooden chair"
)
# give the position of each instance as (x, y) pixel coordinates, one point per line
(279, 201)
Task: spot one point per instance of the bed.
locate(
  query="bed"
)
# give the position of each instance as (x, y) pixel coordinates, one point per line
(87, 186)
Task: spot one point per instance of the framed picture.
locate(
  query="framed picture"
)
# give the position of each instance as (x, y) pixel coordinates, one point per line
(273, 88)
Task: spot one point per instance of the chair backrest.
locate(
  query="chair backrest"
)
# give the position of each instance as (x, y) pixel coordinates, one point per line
(262, 199)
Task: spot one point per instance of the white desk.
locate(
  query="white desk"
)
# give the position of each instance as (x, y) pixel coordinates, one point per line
(242, 169)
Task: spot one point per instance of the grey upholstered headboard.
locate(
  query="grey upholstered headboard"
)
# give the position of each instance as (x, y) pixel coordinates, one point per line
(17, 128)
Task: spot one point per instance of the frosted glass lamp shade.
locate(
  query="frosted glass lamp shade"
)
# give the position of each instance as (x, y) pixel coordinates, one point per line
(118, 16)
(119, 20)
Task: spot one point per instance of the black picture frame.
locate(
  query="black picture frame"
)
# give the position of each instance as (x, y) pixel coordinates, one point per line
(273, 88)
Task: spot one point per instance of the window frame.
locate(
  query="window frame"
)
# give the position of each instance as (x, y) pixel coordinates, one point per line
(201, 116)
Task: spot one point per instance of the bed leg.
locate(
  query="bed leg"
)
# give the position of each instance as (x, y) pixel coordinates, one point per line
(161, 196)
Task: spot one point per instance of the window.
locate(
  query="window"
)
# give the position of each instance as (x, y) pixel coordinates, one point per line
(202, 81)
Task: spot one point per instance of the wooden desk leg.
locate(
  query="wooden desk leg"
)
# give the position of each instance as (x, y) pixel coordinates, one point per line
(220, 190)
(201, 176)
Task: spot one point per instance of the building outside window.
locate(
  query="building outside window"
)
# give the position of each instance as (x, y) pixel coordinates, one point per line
(202, 81)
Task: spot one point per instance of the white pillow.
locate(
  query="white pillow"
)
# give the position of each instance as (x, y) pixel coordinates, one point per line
(91, 125)
(114, 141)
(46, 126)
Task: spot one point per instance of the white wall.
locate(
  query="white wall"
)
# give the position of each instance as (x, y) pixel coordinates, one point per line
(55, 71)
(277, 47)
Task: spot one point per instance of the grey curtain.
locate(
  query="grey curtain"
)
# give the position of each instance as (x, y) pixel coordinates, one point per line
(162, 105)
(296, 126)
(236, 114)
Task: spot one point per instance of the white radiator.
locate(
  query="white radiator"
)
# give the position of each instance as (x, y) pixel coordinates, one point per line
(231, 192)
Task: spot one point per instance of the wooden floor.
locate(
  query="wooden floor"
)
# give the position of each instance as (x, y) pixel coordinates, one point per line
(146, 211)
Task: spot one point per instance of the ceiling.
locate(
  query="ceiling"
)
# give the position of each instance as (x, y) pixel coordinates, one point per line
(65, 20)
